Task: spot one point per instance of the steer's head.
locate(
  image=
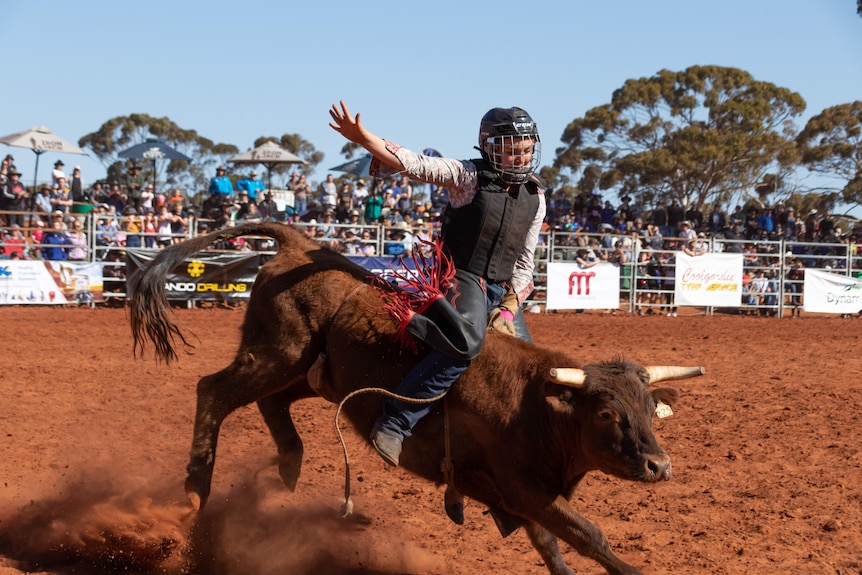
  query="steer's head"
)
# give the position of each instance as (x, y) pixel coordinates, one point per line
(610, 406)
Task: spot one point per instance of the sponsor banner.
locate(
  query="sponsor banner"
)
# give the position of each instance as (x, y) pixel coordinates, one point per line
(831, 293)
(204, 277)
(708, 280)
(49, 282)
(571, 287)
(385, 267)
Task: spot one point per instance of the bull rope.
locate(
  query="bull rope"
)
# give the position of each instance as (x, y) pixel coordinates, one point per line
(447, 465)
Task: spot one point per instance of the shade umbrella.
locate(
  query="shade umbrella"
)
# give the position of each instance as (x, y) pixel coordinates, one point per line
(40, 139)
(153, 149)
(268, 154)
(357, 167)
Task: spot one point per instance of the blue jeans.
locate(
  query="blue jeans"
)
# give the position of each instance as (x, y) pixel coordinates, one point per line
(456, 337)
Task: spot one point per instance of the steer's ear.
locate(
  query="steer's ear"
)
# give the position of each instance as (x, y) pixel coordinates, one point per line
(666, 395)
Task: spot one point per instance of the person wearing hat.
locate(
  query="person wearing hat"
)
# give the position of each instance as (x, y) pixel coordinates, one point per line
(220, 184)
(43, 200)
(135, 184)
(58, 172)
(360, 194)
(251, 185)
(268, 208)
(16, 196)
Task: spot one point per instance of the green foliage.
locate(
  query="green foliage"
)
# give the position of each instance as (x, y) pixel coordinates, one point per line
(122, 132)
(831, 144)
(703, 134)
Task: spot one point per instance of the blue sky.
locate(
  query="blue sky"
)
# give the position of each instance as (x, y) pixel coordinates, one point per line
(422, 74)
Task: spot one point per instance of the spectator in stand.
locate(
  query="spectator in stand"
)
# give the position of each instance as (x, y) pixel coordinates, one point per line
(738, 217)
(79, 193)
(54, 241)
(404, 202)
(61, 197)
(766, 221)
(164, 220)
(77, 240)
(342, 210)
(439, 198)
(354, 218)
(220, 184)
(717, 219)
(98, 194)
(607, 213)
(373, 206)
(224, 217)
(695, 216)
(107, 231)
(345, 197)
(268, 208)
(147, 197)
(57, 173)
(252, 186)
(14, 243)
(292, 182)
(360, 194)
(149, 228)
(659, 219)
(179, 222)
(686, 232)
(131, 229)
(675, 215)
(5, 167)
(697, 246)
(116, 198)
(790, 227)
(17, 198)
(301, 191)
(327, 193)
(135, 184)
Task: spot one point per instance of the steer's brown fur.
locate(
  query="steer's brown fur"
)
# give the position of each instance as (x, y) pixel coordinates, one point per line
(520, 443)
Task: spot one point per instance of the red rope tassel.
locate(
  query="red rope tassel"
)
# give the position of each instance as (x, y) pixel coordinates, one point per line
(415, 293)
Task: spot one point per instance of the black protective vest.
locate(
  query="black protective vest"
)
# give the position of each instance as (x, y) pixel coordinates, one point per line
(485, 236)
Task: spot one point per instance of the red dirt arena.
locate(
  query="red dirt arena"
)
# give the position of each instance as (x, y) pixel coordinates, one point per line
(766, 451)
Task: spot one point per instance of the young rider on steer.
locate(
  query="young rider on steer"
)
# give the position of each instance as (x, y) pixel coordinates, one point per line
(490, 229)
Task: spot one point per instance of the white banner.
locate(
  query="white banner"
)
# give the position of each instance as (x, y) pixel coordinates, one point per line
(708, 280)
(573, 287)
(49, 282)
(831, 293)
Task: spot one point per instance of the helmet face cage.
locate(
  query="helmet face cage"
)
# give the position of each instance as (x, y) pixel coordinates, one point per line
(509, 140)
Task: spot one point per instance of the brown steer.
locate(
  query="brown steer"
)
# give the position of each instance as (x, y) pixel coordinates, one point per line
(526, 423)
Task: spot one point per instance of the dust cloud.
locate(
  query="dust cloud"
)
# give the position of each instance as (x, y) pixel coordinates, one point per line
(136, 527)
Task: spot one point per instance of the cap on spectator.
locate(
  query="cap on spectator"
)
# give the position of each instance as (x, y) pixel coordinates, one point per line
(57, 213)
(77, 168)
(130, 211)
(685, 223)
(812, 212)
(701, 235)
(46, 187)
(607, 227)
(9, 157)
(351, 231)
(419, 221)
(354, 212)
(360, 183)
(221, 168)
(14, 172)
(254, 172)
(59, 163)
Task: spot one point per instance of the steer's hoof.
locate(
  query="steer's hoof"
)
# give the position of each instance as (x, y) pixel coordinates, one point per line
(197, 498)
(454, 504)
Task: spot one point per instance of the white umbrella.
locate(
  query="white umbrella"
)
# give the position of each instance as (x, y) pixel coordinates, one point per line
(269, 154)
(40, 139)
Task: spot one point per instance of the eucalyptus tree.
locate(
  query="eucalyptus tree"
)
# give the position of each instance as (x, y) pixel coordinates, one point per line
(123, 132)
(831, 145)
(704, 134)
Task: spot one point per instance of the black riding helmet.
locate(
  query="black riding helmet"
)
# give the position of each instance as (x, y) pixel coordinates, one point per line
(505, 129)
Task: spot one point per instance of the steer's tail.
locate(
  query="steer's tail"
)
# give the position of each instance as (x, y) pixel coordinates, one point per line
(147, 302)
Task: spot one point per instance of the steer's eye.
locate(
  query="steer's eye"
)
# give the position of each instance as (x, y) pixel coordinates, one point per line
(606, 416)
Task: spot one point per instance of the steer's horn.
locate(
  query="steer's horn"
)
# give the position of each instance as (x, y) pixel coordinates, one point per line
(665, 372)
(569, 376)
